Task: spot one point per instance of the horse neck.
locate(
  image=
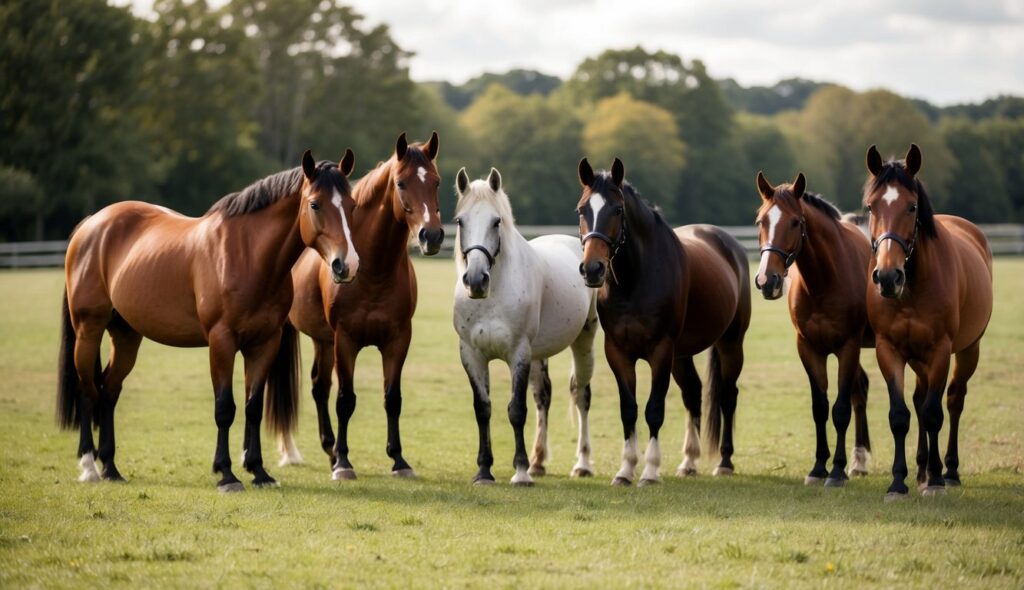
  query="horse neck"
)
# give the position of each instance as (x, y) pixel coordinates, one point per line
(514, 255)
(272, 236)
(816, 260)
(382, 240)
(642, 242)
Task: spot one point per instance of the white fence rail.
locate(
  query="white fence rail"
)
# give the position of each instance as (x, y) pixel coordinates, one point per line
(1006, 239)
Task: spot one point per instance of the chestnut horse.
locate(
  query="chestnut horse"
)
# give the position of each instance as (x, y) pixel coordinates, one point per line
(664, 297)
(396, 199)
(931, 298)
(802, 231)
(138, 270)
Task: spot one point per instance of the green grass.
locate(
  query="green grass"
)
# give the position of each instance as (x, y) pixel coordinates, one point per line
(169, 527)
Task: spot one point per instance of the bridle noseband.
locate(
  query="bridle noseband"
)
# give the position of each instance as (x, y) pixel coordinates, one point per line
(490, 257)
(908, 247)
(788, 258)
(613, 245)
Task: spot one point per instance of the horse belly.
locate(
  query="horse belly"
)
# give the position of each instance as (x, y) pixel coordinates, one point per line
(566, 300)
(160, 308)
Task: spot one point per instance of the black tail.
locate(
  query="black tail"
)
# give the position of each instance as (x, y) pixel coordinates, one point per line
(860, 392)
(283, 384)
(67, 375)
(714, 426)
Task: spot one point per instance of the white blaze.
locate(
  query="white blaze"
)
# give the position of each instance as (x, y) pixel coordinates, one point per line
(596, 204)
(774, 215)
(890, 196)
(426, 212)
(351, 257)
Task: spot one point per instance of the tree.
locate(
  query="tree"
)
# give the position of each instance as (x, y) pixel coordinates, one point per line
(977, 190)
(761, 145)
(645, 137)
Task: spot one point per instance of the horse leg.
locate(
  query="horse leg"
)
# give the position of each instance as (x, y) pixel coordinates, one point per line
(624, 369)
(258, 360)
(849, 375)
(88, 337)
(345, 352)
(922, 437)
(966, 364)
(654, 413)
(892, 366)
(320, 375)
(579, 391)
(519, 367)
(731, 364)
(815, 365)
(685, 374)
(475, 365)
(222, 366)
(540, 383)
(862, 439)
(124, 350)
(393, 357)
(932, 418)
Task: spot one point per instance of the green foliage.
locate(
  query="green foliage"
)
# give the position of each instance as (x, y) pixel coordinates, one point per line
(523, 82)
(20, 197)
(790, 94)
(979, 186)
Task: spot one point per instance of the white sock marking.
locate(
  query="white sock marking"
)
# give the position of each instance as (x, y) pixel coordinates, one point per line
(290, 454)
(88, 465)
(652, 460)
(629, 458)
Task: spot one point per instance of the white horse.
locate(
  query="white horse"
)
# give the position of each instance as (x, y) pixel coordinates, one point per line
(520, 302)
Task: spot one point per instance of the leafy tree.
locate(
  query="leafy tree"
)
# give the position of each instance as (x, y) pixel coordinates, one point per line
(20, 197)
(978, 188)
(646, 138)
(761, 145)
(788, 94)
(524, 82)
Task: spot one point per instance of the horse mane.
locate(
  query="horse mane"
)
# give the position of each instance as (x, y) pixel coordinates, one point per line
(368, 185)
(603, 183)
(815, 200)
(271, 189)
(896, 171)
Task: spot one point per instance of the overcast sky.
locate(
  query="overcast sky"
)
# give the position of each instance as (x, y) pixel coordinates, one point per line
(945, 51)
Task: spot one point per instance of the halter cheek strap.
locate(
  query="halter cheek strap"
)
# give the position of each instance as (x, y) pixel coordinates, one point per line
(788, 258)
(908, 247)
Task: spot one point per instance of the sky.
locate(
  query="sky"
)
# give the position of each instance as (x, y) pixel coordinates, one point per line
(944, 51)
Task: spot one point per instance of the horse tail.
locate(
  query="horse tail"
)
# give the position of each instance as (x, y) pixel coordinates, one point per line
(283, 385)
(714, 425)
(67, 374)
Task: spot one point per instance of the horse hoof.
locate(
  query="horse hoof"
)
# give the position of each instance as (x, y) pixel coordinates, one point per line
(406, 473)
(621, 481)
(723, 471)
(811, 480)
(483, 482)
(648, 482)
(581, 472)
(835, 482)
(537, 471)
(343, 474)
(523, 484)
(932, 491)
(686, 472)
(231, 488)
(895, 497)
(953, 482)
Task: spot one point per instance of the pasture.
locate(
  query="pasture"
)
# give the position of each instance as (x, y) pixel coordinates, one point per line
(169, 527)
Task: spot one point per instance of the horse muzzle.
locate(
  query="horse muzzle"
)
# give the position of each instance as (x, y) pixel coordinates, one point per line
(771, 289)
(431, 240)
(594, 273)
(478, 286)
(890, 281)
(340, 272)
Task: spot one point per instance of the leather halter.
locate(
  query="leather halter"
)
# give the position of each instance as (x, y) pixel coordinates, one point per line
(490, 257)
(613, 245)
(788, 258)
(908, 247)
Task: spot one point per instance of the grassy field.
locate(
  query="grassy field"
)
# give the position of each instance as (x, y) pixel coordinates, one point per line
(762, 528)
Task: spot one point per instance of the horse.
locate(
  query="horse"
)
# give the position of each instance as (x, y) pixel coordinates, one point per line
(802, 231)
(395, 199)
(517, 301)
(930, 298)
(139, 270)
(664, 296)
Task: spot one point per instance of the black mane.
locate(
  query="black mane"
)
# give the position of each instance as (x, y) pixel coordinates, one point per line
(896, 171)
(273, 188)
(603, 183)
(818, 202)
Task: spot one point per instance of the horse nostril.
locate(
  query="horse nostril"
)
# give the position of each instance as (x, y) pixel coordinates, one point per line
(874, 276)
(900, 276)
(581, 269)
(465, 279)
(486, 280)
(338, 267)
(776, 279)
(423, 234)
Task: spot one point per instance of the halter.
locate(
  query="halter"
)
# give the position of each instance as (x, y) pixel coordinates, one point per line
(613, 245)
(490, 257)
(908, 248)
(788, 258)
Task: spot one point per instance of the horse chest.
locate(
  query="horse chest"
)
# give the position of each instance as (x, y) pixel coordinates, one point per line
(492, 336)
(911, 334)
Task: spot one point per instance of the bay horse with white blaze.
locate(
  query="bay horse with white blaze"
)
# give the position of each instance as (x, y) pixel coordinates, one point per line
(397, 198)
(519, 302)
(664, 297)
(801, 231)
(138, 270)
(931, 298)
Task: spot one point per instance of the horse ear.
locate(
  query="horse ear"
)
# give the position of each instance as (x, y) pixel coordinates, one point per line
(347, 162)
(618, 172)
(913, 160)
(461, 181)
(799, 185)
(433, 145)
(494, 179)
(586, 173)
(764, 187)
(308, 165)
(874, 161)
(401, 146)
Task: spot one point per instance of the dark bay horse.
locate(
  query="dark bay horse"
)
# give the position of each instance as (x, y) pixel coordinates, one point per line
(931, 298)
(138, 270)
(664, 297)
(829, 258)
(395, 200)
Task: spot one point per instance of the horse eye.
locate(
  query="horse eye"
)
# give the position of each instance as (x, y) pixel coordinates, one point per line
(458, 221)
(401, 185)
(314, 206)
(618, 210)
(913, 207)
(868, 208)
(497, 222)
(795, 223)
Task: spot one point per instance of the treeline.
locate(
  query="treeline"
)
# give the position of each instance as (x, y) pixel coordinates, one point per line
(98, 106)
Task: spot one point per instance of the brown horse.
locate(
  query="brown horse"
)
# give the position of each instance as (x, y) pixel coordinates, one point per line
(664, 296)
(802, 231)
(138, 270)
(931, 298)
(397, 198)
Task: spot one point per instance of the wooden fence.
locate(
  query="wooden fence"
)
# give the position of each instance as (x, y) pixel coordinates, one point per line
(1006, 239)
